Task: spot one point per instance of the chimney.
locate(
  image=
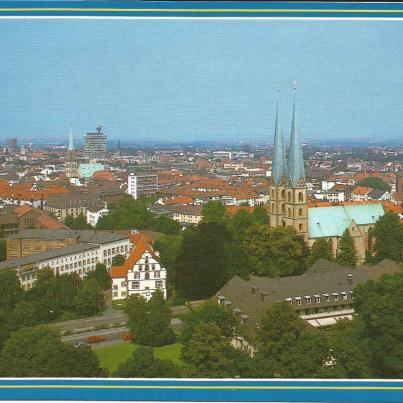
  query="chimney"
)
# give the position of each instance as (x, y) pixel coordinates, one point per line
(349, 278)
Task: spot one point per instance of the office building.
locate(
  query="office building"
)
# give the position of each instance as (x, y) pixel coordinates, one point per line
(95, 145)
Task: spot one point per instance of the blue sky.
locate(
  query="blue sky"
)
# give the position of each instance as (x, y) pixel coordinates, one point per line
(190, 79)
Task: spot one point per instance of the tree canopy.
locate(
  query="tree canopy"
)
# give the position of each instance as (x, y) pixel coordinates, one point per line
(321, 249)
(78, 223)
(375, 183)
(346, 255)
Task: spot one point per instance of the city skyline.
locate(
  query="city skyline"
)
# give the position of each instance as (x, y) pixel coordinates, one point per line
(194, 80)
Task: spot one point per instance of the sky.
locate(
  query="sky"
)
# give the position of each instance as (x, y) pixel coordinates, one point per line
(186, 80)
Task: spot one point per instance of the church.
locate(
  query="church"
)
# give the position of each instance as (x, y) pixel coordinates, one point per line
(288, 200)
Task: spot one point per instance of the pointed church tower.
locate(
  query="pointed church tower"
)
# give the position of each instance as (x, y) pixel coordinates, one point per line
(71, 159)
(278, 177)
(296, 207)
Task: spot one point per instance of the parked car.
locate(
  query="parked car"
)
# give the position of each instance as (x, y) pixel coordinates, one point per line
(95, 339)
(81, 344)
(127, 336)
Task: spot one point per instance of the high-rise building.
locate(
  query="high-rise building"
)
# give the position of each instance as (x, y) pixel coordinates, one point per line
(288, 204)
(95, 145)
(71, 159)
(11, 144)
(138, 185)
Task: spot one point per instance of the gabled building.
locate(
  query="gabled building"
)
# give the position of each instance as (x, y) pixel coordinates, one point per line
(142, 274)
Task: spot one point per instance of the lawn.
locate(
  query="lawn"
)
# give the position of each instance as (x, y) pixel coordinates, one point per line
(112, 356)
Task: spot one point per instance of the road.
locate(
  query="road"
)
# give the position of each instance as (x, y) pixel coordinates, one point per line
(109, 318)
(112, 336)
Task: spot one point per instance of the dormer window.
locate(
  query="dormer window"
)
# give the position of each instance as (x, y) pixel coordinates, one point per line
(308, 299)
(326, 297)
(299, 300)
(335, 296)
(317, 298)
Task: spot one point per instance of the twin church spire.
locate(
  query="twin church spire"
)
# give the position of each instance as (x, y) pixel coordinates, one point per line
(291, 168)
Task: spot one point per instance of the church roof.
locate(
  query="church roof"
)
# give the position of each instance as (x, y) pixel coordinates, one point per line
(296, 168)
(332, 221)
(279, 160)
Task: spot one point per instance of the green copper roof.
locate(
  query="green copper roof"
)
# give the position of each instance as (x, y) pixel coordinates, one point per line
(279, 162)
(332, 221)
(87, 170)
(295, 159)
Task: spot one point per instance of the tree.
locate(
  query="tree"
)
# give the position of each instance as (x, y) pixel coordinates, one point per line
(388, 233)
(90, 298)
(214, 212)
(143, 364)
(202, 262)
(350, 350)
(275, 252)
(39, 352)
(166, 225)
(375, 183)
(379, 304)
(150, 322)
(259, 215)
(118, 260)
(347, 255)
(3, 249)
(101, 275)
(289, 347)
(168, 246)
(213, 313)
(77, 223)
(208, 353)
(321, 249)
(10, 290)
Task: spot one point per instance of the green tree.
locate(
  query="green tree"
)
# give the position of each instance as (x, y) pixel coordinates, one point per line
(321, 249)
(10, 290)
(166, 225)
(214, 212)
(3, 249)
(150, 322)
(39, 352)
(375, 183)
(388, 233)
(202, 262)
(275, 252)
(169, 246)
(101, 276)
(118, 260)
(90, 298)
(77, 223)
(239, 224)
(289, 347)
(208, 353)
(259, 215)
(346, 255)
(350, 350)
(143, 364)
(379, 304)
(213, 313)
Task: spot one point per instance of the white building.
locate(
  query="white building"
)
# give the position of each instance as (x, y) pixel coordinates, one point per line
(138, 185)
(95, 213)
(142, 274)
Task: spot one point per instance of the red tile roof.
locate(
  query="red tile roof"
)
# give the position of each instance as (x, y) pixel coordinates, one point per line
(362, 190)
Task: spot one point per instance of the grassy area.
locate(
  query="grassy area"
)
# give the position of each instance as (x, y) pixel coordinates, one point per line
(112, 356)
(119, 304)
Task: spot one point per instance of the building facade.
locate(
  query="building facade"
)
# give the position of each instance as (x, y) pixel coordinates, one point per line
(142, 274)
(95, 146)
(142, 185)
(288, 204)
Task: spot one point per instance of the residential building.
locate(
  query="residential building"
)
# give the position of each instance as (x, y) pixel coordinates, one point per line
(142, 185)
(142, 274)
(29, 242)
(322, 296)
(95, 213)
(95, 145)
(361, 193)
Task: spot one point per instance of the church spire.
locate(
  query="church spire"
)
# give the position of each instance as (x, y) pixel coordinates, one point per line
(71, 140)
(279, 163)
(296, 162)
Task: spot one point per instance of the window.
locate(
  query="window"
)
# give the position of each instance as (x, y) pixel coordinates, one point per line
(327, 297)
(308, 300)
(300, 211)
(136, 274)
(156, 274)
(159, 284)
(153, 267)
(317, 298)
(123, 293)
(123, 284)
(115, 294)
(115, 286)
(146, 275)
(335, 296)
(300, 227)
(135, 284)
(300, 197)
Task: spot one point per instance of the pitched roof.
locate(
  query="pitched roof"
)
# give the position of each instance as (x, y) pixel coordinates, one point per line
(362, 190)
(332, 221)
(51, 223)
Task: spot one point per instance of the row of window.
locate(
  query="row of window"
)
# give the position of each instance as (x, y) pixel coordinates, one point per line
(325, 297)
(118, 249)
(289, 195)
(158, 284)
